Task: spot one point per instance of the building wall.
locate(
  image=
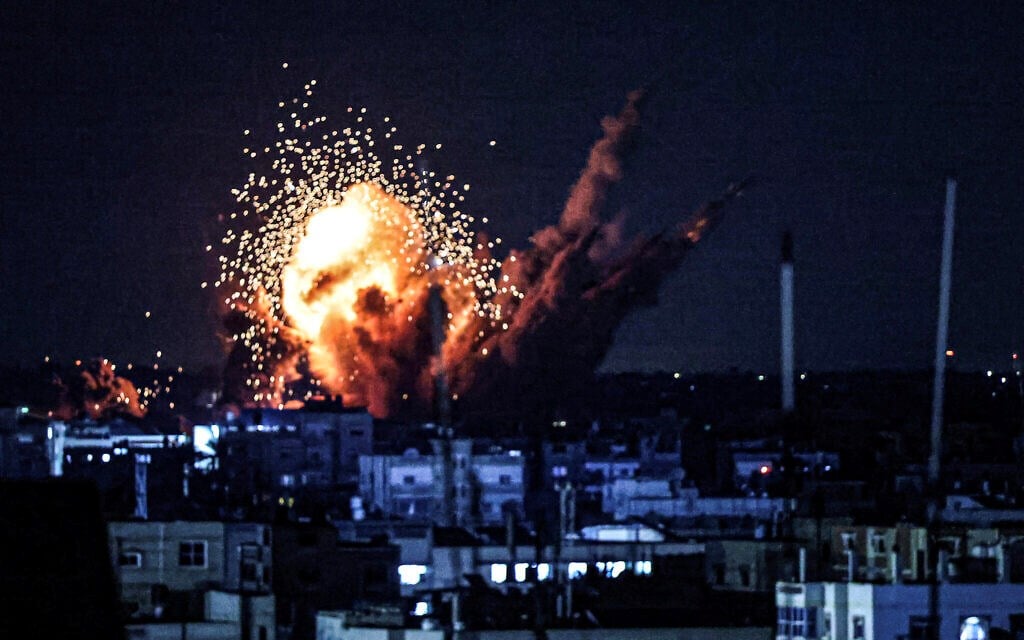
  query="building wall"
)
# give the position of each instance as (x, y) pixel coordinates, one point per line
(887, 611)
(159, 547)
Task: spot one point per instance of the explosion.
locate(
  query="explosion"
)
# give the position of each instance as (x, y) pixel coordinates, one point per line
(335, 258)
(332, 281)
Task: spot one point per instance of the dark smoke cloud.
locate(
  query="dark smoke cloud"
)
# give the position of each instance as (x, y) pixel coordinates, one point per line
(581, 279)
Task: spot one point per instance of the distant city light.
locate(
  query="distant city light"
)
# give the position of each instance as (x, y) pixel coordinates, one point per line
(499, 573)
(765, 469)
(988, 373)
(411, 574)
(520, 571)
(577, 570)
(950, 353)
(760, 378)
(676, 375)
(422, 608)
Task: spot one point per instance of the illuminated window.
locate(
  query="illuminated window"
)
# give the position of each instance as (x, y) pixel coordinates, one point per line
(643, 568)
(520, 571)
(577, 570)
(411, 574)
(974, 628)
(192, 553)
(543, 571)
(499, 573)
(422, 608)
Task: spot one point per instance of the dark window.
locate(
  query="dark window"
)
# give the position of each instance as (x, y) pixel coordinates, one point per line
(504, 479)
(409, 480)
(745, 575)
(858, 627)
(131, 559)
(719, 574)
(192, 553)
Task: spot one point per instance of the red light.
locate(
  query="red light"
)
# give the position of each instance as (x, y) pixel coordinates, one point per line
(765, 469)
(1015, 356)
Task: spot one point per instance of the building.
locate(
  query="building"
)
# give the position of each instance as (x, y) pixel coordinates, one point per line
(165, 568)
(485, 485)
(637, 497)
(862, 611)
(267, 455)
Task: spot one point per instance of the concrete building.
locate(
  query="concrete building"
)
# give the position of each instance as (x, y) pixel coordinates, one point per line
(861, 611)
(485, 485)
(164, 568)
(637, 497)
(267, 453)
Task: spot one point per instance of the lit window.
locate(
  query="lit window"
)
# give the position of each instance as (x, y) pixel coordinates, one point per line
(643, 568)
(411, 574)
(499, 573)
(543, 571)
(577, 570)
(192, 553)
(520, 571)
(287, 480)
(973, 628)
(422, 608)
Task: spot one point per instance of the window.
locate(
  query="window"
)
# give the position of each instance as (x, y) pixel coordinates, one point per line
(411, 574)
(849, 540)
(499, 573)
(287, 480)
(577, 570)
(857, 622)
(559, 471)
(784, 622)
(878, 543)
(505, 479)
(745, 575)
(131, 559)
(192, 553)
(409, 480)
(798, 622)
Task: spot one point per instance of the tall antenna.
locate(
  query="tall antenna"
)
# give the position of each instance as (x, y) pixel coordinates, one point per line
(941, 340)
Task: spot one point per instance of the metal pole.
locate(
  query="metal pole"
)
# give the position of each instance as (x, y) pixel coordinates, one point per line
(941, 340)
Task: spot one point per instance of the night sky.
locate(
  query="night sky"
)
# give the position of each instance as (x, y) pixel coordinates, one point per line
(122, 137)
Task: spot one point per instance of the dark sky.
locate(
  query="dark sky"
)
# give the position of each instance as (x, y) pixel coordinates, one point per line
(121, 138)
